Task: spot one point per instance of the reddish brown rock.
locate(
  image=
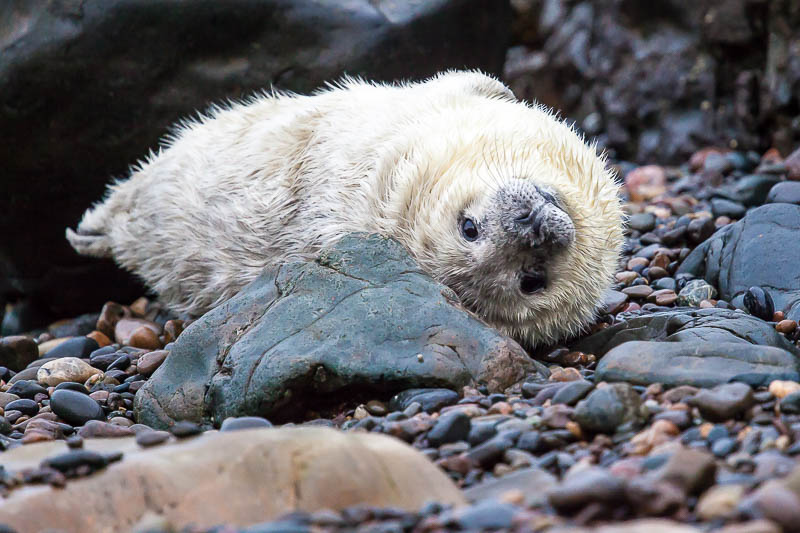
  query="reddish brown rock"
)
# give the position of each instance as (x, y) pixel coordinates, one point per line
(126, 327)
(149, 362)
(145, 337)
(308, 469)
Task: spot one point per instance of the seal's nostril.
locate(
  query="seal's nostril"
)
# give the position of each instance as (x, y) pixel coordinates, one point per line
(531, 283)
(537, 223)
(528, 218)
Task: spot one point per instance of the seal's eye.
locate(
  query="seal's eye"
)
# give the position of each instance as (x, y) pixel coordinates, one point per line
(469, 230)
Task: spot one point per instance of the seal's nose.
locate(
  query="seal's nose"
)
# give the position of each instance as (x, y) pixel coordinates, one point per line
(532, 219)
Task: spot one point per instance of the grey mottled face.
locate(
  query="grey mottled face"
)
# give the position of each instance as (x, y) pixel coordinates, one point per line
(516, 235)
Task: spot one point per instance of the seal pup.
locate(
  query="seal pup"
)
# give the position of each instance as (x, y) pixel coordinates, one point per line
(496, 198)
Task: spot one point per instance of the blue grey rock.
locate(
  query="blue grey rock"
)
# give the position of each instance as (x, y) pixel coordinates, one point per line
(696, 363)
(450, 427)
(787, 192)
(688, 325)
(609, 409)
(750, 190)
(756, 251)
(721, 207)
(75, 347)
(361, 316)
(75, 408)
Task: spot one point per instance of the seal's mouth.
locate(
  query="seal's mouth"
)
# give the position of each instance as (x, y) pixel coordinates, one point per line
(532, 282)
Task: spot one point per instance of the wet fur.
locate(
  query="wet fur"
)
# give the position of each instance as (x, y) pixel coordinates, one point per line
(278, 177)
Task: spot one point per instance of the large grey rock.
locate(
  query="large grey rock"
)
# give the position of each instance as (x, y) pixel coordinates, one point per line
(757, 250)
(238, 478)
(688, 325)
(88, 87)
(700, 347)
(362, 316)
(696, 363)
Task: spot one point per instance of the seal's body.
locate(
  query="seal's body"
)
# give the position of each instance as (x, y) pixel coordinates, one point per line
(495, 198)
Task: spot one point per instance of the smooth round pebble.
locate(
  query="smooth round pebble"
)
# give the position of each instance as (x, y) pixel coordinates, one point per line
(74, 407)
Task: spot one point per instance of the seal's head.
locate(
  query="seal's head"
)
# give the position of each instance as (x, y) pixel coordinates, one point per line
(520, 217)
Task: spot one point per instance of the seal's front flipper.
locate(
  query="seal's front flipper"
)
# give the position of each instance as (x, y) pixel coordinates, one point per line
(96, 245)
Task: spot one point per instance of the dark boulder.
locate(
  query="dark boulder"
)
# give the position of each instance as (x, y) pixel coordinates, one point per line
(87, 88)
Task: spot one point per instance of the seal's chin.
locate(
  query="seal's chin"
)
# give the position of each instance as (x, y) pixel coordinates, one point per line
(532, 282)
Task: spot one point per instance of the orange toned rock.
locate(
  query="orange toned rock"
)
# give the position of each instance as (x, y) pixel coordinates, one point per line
(144, 337)
(307, 468)
(565, 374)
(172, 329)
(780, 388)
(139, 307)
(149, 362)
(126, 327)
(645, 183)
(111, 314)
(698, 159)
(659, 432)
(771, 156)
(100, 338)
(786, 326)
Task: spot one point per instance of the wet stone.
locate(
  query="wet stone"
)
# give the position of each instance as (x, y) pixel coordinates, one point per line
(71, 461)
(790, 404)
(638, 291)
(593, 485)
(150, 437)
(642, 222)
(487, 515)
(489, 452)
(614, 407)
(96, 429)
(244, 422)
(758, 303)
(75, 347)
(75, 408)
(785, 192)
(72, 385)
(430, 400)
(24, 406)
(723, 401)
(26, 389)
(691, 470)
(721, 207)
(17, 352)
(572, 392)
(724, 446)
(695, 292)
(6, 398)
(185, 428)
(451, 427)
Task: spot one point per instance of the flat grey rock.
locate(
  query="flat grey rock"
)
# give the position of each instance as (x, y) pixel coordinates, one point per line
(687, 325)
(363, 316)
(759, 250)
(696, 363)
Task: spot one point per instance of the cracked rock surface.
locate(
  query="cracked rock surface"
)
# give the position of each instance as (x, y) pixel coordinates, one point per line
(362, 317)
